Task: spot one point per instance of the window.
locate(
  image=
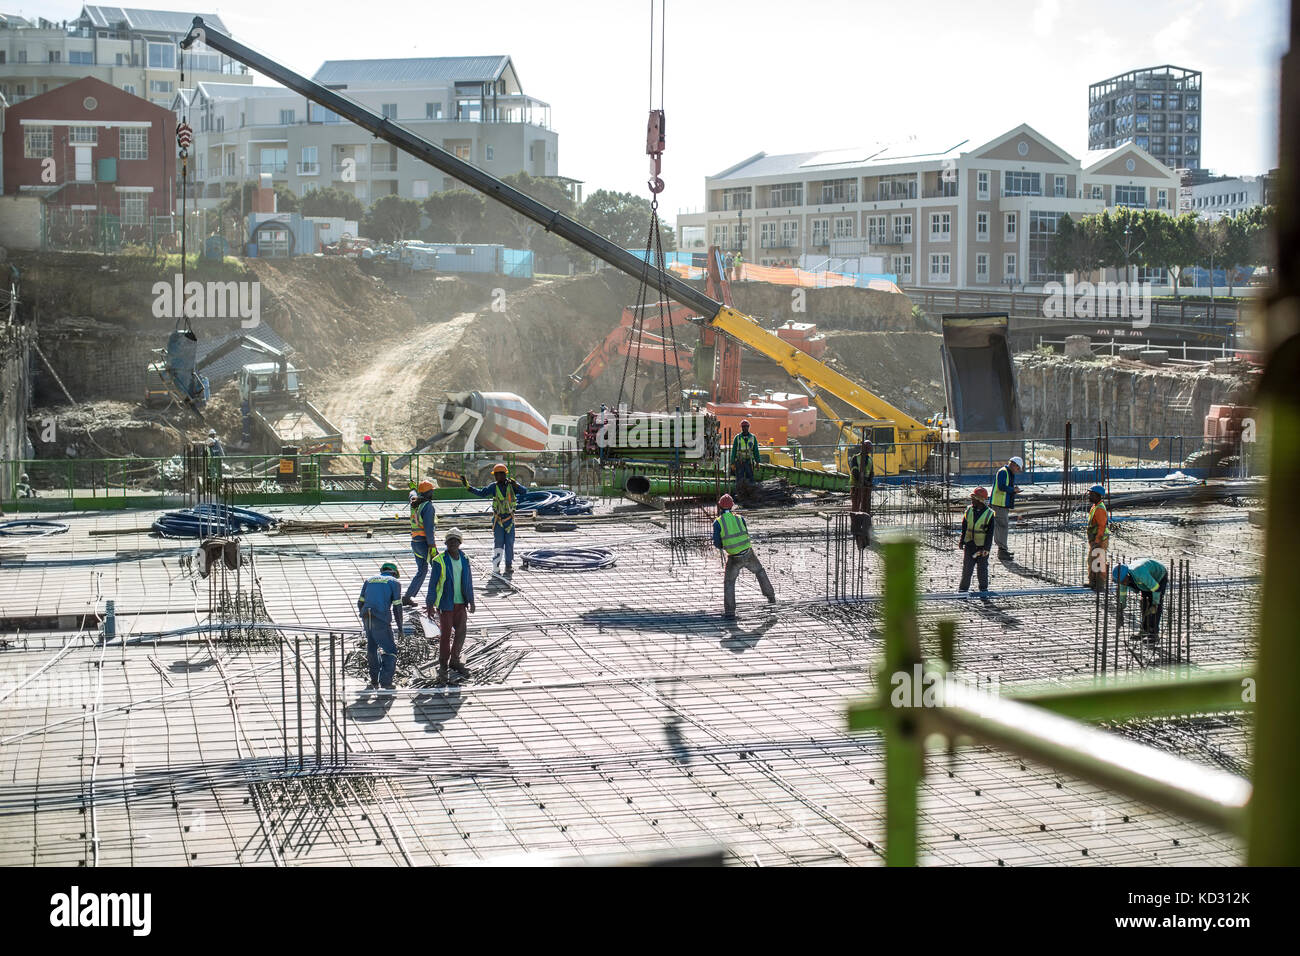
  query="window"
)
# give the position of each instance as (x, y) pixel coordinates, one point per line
(903, 228)
(274, 160)
(767, 235)
(83, 135)
(308, 161)
(82, 57)
(1042, 233)
(162, 56)
(736, 198)
(786, 194)
(844, 227)
(821, 231)
(903, 268)
(1097, 192)
(56, 56)
(720, 236)
(876, 228)
(461, 151)
(420, 189)
(161, 86)
(940, 226)
(129, 88)
(22, 89)
(840, 190)
(1130, 195)
(982, 267)
(940, 267)
(22, 56)
(38, 142)
(981, 227)
(1009, 271)
(133, 209)
(388, 110)
(1060, 187)
(896, 187)
(982, 184)
(1022, 184)
(1011, 227)
(489, 153)
(288, 117)
(790, 232)
(1162, 199)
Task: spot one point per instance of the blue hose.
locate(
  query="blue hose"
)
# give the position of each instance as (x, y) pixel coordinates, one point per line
(211, 521)
(32, 528)
(568, 559)
(552, 502)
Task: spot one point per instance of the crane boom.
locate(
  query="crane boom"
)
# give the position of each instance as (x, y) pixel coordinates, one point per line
(713, 313)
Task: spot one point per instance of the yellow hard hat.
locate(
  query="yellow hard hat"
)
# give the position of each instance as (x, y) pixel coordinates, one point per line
(500, 468)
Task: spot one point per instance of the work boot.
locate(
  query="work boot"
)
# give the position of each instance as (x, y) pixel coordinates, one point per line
(728, 617)
(509, 570)
(460, 668)
(1004, 554)
(386, 688)
(441, 680)
(373, 685)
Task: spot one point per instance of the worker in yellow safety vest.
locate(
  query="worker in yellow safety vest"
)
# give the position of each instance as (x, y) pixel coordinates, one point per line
(367, 458)
(1098, 537)
(504, 492)
(731, 535)
(975, 528)
(424, 537)
(744, 455)
(1004, 501)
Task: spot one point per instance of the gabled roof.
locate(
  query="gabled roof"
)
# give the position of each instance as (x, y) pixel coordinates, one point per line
(237, 91)
(149, 21)
(1098, 161)
(469, 69)
(835, 160)
(1026, 131)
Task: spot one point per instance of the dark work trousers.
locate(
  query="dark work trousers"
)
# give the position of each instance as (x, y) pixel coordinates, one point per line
(974, 558)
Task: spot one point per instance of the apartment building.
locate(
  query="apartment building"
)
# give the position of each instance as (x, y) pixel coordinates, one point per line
(955, 217)
(473, 107)
(1228, 196)
(134, 50)
(1158, 108)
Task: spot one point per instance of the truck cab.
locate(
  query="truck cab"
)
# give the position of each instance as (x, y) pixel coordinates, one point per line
(265, 379)
(563, 433)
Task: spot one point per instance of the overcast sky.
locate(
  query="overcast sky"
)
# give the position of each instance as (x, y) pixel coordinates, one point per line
(762, 75)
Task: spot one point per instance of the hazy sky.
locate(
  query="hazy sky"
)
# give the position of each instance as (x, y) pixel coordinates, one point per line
(803, 74)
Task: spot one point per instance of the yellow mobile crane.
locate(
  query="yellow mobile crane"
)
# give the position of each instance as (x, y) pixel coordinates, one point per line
(912, 438)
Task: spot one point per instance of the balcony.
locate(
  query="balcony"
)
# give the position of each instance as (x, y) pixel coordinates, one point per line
(388, 166)
(348, 171)
(779, 242)
(888, 238)
(309, 169)
(275, 169)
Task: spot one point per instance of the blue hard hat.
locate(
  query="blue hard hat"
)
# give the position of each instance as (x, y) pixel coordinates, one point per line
(1120, 572)
(1098, 489)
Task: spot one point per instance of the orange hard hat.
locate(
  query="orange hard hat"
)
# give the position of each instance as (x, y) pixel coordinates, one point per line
(981, 493)
(725, 502)
(424, 486)
(500, 467)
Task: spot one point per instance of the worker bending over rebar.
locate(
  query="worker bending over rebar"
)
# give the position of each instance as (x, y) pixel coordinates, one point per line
(1149, 578)
(731, 534)
(451, 596)
(380, 596)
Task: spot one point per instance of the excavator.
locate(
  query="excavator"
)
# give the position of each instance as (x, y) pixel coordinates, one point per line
(625, 340)
(178, 377)
(905, 443)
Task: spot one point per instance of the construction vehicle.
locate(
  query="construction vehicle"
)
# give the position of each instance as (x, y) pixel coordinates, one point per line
(276, 415)
(178, 377)
(912, 440)
(497, 425)
(630, 339)
(979, 380)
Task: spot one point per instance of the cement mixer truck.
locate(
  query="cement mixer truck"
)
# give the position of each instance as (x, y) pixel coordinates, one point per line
(497, 425)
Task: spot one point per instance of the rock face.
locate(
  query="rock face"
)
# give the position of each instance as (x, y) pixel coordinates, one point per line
(1078, 347)
(1134, 399)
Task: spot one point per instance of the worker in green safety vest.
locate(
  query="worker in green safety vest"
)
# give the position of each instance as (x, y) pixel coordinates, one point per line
(1004, 501)
(744, 455)
(731, 535)
(367, 458)
(975, 528)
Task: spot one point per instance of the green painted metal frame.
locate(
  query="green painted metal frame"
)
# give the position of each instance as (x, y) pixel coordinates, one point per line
(1039, 724)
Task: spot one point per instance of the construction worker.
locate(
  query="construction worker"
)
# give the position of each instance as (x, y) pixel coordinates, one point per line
(214, 453)
(796, 452)
(451, 595)
(367, 458)
(737, 264)
(1149, 578)
(975, 532)
(424, 537)
(380, 596)
(24, 487)
(1004, 501)
(744, 453)
(503, 492)
(861, 478)
(731, 534)
(1098, 537)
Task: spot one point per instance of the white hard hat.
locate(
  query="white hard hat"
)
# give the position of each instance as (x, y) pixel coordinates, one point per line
(454, 533)
(212, 433)
(1018, 461)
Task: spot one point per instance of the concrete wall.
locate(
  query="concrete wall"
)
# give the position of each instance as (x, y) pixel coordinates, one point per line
(20, 222)
(95, 360)
(15, 383)
(1131, 399)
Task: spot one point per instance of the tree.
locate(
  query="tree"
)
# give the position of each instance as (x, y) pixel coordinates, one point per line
(623, 218)
(332, 203)
(502, 225)
(1076, 246)
(391, 218)
(1170, 241)
(456, 215)
(285, 200)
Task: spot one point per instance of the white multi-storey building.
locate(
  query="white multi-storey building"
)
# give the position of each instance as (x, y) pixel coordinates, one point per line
(952, 218)
(473, 107)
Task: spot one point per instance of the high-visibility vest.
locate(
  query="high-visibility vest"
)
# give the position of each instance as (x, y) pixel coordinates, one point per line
(1098, 525)
(744, 447)
(418, 530)
(367, 455)
(871, 465)
(503, 503)
(735, 536)
(1000, 494)
(977, 529)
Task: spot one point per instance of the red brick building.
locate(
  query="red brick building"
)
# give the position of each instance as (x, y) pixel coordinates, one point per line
(95, 154)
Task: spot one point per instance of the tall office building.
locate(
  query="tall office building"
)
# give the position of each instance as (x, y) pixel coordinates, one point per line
(1157, 108)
